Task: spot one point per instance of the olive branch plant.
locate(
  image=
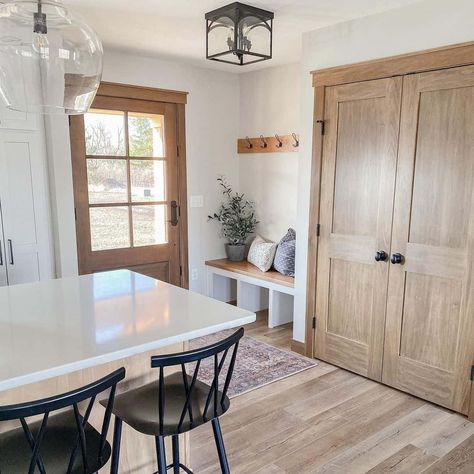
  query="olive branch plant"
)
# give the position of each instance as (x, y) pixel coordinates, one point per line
(236, 215)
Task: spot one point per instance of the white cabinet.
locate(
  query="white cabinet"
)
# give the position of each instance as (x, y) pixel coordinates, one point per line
(27, 253)
(3, 260)
(13, 120)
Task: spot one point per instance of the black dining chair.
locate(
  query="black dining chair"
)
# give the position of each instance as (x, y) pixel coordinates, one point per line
(62, 442)
(180, 402)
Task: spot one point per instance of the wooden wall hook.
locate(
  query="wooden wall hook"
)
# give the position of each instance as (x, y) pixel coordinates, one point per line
(275, 144)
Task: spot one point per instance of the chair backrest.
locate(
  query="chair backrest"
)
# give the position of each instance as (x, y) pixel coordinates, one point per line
(218, 352)
(70, 399)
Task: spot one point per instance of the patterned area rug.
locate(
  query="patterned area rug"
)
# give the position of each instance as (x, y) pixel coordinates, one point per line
(257, 363)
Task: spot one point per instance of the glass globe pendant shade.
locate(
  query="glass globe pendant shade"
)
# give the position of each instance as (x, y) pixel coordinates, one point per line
(50, 59)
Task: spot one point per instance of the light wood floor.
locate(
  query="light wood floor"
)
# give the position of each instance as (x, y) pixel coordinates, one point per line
(328, 420)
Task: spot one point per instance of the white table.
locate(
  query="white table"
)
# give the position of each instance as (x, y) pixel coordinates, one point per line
(60, 326)
(61, 334)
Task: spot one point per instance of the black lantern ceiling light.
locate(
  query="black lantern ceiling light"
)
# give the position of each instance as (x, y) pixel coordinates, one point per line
(239, 34)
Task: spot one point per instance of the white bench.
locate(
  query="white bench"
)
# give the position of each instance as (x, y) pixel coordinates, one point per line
(253, 289)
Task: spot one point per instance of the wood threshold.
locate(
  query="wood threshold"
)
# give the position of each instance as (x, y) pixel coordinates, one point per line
(422, 61)
(246, 268)
(127, 91)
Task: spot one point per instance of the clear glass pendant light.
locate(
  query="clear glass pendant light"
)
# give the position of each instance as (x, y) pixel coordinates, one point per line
(50, 59)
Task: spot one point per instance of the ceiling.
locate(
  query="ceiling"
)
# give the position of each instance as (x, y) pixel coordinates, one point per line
(176, 28)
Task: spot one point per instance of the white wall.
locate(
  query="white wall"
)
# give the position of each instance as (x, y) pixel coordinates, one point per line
(428, 24)
(269, 104)
(212, 116)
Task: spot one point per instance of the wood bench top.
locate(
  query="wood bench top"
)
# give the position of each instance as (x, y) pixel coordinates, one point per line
(246, 268)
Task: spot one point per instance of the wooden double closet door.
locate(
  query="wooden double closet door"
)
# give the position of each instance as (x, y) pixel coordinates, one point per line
(395, 279)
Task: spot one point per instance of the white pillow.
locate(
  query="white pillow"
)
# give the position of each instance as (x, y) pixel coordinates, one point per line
(262, 253)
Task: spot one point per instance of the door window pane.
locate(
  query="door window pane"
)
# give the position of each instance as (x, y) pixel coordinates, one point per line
(149, 225)
(105, 133)
(109, 228)
(146, 135)
(148, 180)
(107, 181)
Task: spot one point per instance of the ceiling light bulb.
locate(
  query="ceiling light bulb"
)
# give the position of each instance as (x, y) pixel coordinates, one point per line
(41, 45)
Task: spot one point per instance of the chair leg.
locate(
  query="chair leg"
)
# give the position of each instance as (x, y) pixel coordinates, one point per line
(114, 465)
(216, 426)
(160, 454)
(175, 444)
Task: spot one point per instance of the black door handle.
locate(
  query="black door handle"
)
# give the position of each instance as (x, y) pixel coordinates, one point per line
(1, 255)
(174, 213)
(381, 256)
(397, 258)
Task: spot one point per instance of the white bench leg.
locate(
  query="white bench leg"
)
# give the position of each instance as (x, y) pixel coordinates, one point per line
(280, 310)
(210, 283)
(251, 297)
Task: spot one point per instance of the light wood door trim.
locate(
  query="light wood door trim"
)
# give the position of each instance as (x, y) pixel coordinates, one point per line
(471, 404)
(183, 194)
(421, 61)
(127, 91)
(433, 358)
(313, 237)
(356, 344)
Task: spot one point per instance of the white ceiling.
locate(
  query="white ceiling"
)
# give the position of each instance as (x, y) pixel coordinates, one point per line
(176, 28)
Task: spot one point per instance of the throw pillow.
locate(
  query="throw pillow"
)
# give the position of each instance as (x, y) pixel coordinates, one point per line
(262, 253)
(285, 254)
(290, 235)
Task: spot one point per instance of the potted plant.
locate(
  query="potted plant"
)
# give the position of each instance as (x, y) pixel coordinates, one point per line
(237, 218)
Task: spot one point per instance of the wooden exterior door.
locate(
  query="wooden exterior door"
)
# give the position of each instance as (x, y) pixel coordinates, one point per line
(429, 337)
(125, 170)
(357, 188)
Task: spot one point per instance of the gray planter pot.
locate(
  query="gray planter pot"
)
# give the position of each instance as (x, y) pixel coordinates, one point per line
(235, 253)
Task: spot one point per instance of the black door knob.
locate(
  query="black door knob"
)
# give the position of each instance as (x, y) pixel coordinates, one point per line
(381, 256)
(397, 258)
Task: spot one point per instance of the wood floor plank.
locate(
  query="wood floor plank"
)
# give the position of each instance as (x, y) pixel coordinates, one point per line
(408, 460)
(375, 448)
(326, 419)
(270, 469)
(284, 444)
(332, 397)
(378, 415)
(446, 436)
(460, 460)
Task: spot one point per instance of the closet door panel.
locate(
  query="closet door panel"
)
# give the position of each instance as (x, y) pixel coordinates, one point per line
(12, 119)
(358, 177)
(25, 210)
(429, 345)
(3, 262)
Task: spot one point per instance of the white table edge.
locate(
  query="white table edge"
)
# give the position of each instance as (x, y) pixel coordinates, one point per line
(45, 374)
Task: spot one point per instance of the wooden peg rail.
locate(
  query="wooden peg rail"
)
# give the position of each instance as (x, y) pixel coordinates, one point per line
(282, 144)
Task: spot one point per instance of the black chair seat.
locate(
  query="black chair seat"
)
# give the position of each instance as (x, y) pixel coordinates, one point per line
(56, 448)
(139, 407)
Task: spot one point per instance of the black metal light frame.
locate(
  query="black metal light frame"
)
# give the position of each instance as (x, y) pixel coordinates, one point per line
(236, 12)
